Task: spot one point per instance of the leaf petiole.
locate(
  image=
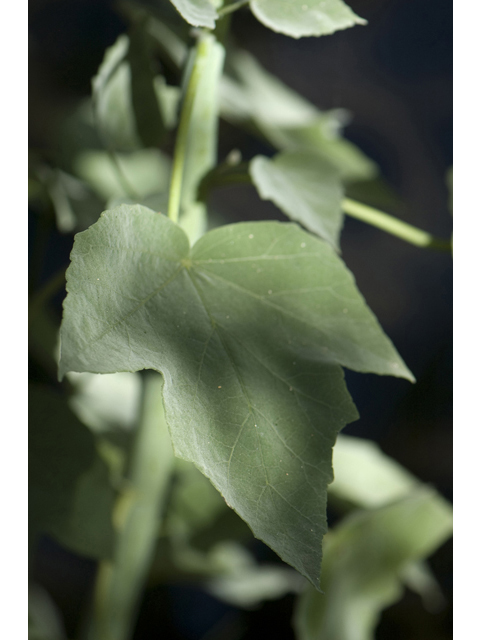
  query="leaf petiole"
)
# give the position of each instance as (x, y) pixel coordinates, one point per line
(394, 226)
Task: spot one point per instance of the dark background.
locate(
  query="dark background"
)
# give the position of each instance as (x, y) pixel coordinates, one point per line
(395, 76)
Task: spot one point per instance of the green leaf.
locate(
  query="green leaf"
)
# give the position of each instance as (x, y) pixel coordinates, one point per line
(106, 403)
(249, 329)
(298, 18)
(194, 503)
(70, 494)
(141, 173)
(244, 583)
(364, 561)
(111, 98)
(132, 105)
(199, 13)
(305, 187)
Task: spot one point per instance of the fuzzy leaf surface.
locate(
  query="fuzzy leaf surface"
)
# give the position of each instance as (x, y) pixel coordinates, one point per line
(298, 18)
(248, 328)
(305, 187)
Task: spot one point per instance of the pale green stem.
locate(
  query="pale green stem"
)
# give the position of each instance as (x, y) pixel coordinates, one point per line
(201, 55)
(138, 510)
(232, 7)
(394, 226)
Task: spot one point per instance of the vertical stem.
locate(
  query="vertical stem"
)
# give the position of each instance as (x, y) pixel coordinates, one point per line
(201, 55)
(137, 520)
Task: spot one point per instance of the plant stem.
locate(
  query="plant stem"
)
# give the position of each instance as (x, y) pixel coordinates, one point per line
(232, 7)
(394, 226)
(137, 520)
(201, 54)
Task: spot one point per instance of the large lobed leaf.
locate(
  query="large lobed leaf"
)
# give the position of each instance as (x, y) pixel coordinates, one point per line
(248, 328)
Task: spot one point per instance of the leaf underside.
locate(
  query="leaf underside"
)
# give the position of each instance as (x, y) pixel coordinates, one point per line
(249, 329)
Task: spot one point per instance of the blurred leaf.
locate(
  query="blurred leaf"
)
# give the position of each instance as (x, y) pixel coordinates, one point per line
(106, 402)
(146, 171)
(244, 583)
(44, 622)
(112, 98)
(364, 559)
(305, 187)
(70, 494)
(289, 121)
(419, 578)
(350, 162)
(76, 206)
(194, 502)
(248, 328)
(298, 18)
(199, 13)
(367, 477)
(263, 97)
(132, 105)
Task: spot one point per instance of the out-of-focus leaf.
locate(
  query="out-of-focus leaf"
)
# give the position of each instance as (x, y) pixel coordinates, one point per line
(44, 622)
(418, 577)
(199, 13)
(352, 164)
(364, 561)
(298, 18)
(366, 477)
(143, 172)
(105, 402)
(305, 187)
(70, 494)
(111, 96)
(289, 121)
(249, 329)
(244, 583)
(132, 105)
(76, 206)
(194, 502)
